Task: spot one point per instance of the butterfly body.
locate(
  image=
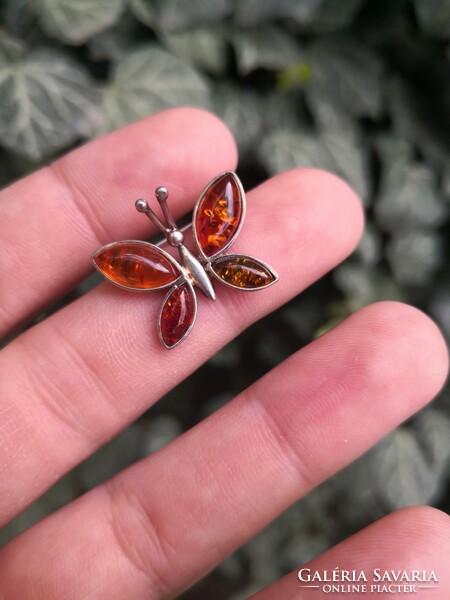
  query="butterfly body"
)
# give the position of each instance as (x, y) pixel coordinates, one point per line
(140, 266)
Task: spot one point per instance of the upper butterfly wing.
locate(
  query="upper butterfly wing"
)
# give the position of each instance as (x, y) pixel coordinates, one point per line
(136, 265)
(218, 215)
(243, 272)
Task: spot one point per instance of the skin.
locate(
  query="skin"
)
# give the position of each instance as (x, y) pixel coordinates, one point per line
(76, 379)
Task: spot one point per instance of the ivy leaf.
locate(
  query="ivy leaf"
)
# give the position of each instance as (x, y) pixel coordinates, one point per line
(267, 47)
(333, 151)
(409, 197)
(144, 11)
(408, 467)
(419, 122)
(148, 80)
(254, 12)
(319, 15)
(414, 256)
(75, 21)
(157, 433)
(11, 49)
(335, 14)
(369, 250)
(113, 43)
(349, 73)
(17, 15)
(176, 15)
(440, 309)
(284, 111)
(46, 102)
(434, 17)
(363, 285)
(203, 47)
(242, 111)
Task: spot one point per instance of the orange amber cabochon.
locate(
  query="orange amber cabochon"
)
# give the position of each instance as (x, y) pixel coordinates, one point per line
(218, 214)
(136, 265)
(177, 315)
(244, 272)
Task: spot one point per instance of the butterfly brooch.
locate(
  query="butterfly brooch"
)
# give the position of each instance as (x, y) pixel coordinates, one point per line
(217, 219)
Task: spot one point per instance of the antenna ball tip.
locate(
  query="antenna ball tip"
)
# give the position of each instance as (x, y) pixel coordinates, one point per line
(161, 192)
(141, 205)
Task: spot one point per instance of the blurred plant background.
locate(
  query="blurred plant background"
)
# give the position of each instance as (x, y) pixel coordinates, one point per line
(359, 87)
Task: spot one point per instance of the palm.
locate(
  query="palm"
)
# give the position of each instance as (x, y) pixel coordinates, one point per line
(73, 381)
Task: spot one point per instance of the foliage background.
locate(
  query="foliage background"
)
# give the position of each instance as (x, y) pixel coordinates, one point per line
(360, 87)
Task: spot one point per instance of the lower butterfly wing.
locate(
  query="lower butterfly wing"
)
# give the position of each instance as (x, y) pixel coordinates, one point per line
(243, 272)
(177, 315)
(137, 266)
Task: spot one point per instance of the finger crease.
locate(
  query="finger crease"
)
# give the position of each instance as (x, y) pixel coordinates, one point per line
(291, 453)
(129, 519)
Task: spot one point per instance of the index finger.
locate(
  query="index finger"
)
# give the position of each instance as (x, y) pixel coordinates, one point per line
(53, 219)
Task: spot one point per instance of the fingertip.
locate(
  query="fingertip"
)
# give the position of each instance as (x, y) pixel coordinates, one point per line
(425, 518)
(419, 342)
(344, 208)
(206, 125)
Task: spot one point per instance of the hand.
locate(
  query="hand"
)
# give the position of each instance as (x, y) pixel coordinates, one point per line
(74, 380)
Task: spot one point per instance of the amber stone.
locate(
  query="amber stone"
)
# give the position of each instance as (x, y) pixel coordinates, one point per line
(243, 272)
(177, 315)
(218, 215)
(136, 265)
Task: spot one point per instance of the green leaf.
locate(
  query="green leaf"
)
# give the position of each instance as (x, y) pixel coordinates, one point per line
(408, 467)
(334, 14)
(11, 49)
(319, 15)
(18, 15)
(333, 151)
(349, 73)
(144, 11)
(434, 16)
(46, 102)
(364, 285)
(254, 12)
(148, 80)
(75, 21)
(114, 43)
(268, 47)
(157, 433)
(414, 256)
(284, 111)
(419, 121)
(176, 15)
(409, 197)
(243, 112)
(203, 47)
(369, 250)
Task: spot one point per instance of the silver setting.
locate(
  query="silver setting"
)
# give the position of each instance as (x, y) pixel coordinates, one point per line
(211, 184)
(140, 243)
(194, 316)
(236, 287)
(197, 272)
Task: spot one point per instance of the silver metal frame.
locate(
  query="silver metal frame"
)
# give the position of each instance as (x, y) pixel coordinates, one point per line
(210, 185)
(141, 243)
(236, 287)
(169, 293)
